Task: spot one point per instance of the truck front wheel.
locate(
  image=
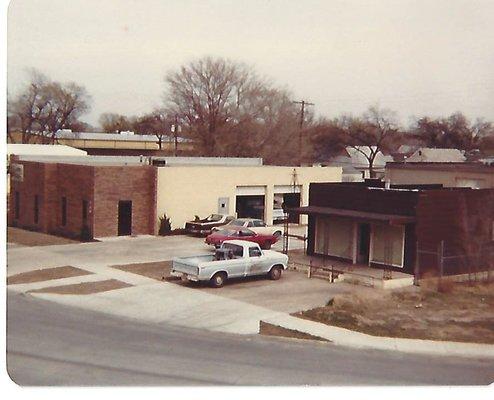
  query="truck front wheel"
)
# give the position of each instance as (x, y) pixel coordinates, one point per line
(218, 280)
(275, 273)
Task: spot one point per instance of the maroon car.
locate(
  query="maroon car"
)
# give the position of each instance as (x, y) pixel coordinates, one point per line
(265, 241)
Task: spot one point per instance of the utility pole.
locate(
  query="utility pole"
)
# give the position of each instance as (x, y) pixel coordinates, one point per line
(175, 133)
(303, 104)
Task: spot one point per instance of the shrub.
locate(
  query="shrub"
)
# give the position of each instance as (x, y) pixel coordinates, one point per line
(165, 226)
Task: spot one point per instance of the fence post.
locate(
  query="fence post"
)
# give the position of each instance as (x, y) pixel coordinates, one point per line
(440, 255)
(309, 272)
(305, 244)
(416, 269)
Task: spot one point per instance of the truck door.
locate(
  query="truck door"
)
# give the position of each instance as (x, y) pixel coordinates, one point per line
(256, 262)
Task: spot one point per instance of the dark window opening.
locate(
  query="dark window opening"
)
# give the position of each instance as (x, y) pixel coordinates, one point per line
(17, 206)
(64, 211)
(36, 209)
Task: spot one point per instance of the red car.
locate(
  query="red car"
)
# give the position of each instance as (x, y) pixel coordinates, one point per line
(265, 241)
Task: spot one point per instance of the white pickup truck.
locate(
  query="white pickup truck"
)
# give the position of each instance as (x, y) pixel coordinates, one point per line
(234, 259)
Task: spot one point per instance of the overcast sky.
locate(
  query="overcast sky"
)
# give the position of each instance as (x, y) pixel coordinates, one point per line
(417, 57)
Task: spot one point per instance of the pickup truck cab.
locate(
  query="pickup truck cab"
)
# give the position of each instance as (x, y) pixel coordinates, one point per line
(234, 259)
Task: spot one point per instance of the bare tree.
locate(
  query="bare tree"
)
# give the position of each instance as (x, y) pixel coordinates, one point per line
(156, 123)
(227, 108)
(44, 107)
(114, 123)
(370, 134)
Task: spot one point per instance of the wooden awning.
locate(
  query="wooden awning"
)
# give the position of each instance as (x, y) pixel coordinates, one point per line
(362, 215)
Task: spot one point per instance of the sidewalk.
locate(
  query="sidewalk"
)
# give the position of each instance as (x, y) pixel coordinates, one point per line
(346, 337)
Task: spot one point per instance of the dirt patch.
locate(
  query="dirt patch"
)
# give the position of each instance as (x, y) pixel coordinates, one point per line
(267, 329)
(30, 238)
(84, 288)
(46, 274)
(464, 313)
(154, 270)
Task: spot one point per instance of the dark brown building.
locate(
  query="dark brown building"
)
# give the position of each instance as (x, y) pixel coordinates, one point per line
(83, 200)
(367, 223)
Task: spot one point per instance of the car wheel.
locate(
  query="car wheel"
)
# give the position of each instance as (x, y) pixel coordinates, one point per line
(218, 280)
(275, 273)
(277, 234)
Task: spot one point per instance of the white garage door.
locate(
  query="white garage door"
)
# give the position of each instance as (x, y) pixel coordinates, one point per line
(251, 190)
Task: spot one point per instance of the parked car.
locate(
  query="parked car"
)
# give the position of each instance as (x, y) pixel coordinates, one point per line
(256, 225)
(204, 226)
(234, 259)
(279, 214)
(264, 240)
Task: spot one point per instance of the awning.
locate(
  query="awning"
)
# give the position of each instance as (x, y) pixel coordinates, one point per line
(363, 215)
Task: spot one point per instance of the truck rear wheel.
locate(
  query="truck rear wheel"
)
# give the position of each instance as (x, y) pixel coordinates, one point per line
(275, 273)
(218, 280)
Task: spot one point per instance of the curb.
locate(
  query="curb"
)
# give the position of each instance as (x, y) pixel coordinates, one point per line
(349, 338)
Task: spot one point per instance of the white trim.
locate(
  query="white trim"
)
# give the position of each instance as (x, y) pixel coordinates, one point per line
(282, 189)
(250, 190)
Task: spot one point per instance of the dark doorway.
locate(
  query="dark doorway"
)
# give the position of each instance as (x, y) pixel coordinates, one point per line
(250, 206)
(363, 243)
(292, 200)
(124, 217)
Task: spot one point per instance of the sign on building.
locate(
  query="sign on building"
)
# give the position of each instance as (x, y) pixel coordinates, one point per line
(17, 172)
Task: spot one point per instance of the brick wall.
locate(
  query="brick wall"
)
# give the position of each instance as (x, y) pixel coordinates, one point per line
(134, 183)
(101, 186)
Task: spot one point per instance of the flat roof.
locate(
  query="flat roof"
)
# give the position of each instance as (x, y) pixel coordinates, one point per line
(444, 166)
(124, 137)
(144, 160)
(364, 215)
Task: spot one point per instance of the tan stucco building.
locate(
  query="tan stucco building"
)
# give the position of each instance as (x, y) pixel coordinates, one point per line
(186, 191)
(462, 174)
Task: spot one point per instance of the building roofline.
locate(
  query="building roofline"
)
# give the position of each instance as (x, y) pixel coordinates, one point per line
(443, 166)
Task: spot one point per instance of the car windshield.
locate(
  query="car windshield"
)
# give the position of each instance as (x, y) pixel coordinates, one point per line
(237, 222)
(225, 232)
(214, 217)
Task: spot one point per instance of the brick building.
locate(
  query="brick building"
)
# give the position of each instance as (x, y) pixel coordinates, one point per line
(367, 223)
(74, 199)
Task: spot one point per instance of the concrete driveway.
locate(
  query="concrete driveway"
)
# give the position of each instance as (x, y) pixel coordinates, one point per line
(236, 308)
(292, 293)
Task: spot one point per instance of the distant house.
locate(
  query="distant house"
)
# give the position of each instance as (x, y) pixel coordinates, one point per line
(476, 175)
(378, 225)
(426, 154)
(356, 165)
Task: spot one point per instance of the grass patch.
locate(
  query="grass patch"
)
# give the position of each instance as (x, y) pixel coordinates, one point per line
(85, 287)
(31, 238)
(268, 329)
(46, 274)
(155, 270)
